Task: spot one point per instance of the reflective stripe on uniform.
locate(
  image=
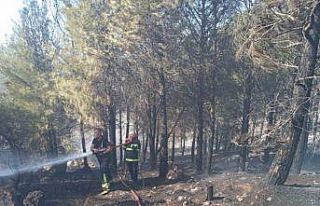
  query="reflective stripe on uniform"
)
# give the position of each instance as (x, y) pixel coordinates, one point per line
(105, 180)
(105, 186)
(132, 149)
(132, 160)
(133, 146)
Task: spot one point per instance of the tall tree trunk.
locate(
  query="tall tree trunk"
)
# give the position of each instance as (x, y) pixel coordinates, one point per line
(217, 144)
(163, 168)
(173, 146)
(254, 127)
(120, 136)
(280, 168)
(212, 129)
(301, 149)
(262, 123)
(152, 114)
(245, 119)
(270, 124)
(181, 143)
(83, 143)
(157, 135)
(205, 144)
(227, 140)
(106, 132)
(143, 144)
(200, 122)
(112, 132)
(136, 123)
(184, 143)
(145, 147)
(315, 122)
(128, 121)
(193, 144)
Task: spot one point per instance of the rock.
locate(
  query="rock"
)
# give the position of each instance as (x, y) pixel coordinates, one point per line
(6, 198)
(180, 198)
(206, 203)
(243, 178)
(218, 194)
(241, 197)
(34, 198)
(169, 192)
(269, 199)
(194, 190)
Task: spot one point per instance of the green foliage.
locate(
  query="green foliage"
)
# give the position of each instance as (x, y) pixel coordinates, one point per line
(104, 53)
(20, 127)
(26, 63)
(271, 34)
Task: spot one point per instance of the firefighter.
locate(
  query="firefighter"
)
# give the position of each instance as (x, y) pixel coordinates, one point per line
(132, 149)
(102, 149)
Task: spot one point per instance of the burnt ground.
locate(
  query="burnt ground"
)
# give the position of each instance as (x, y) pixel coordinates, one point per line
(230, 187)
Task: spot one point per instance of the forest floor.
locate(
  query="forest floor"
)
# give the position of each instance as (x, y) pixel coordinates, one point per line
(230, 187)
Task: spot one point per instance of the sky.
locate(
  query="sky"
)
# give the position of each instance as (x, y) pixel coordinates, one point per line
(9, 12)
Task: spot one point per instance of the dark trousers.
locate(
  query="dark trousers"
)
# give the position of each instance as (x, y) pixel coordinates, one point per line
(133, 170)
(105, 168)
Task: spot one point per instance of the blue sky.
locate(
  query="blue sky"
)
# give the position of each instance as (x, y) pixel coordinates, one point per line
(9, 12)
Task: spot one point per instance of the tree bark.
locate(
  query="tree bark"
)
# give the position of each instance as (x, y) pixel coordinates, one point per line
(152, 116)
(83, 143)
(262, 123)
(212, 129)
(157, 135)
(163, 168)
(136, 123)
(128, 121)
(120, 137)
(145, 147)
(245, 119)
(200, 122)
(112, 132)
(301, 149)
(183, 142)
(227, 135)
(217, 139)
(173, 146)
(270, 124)
(205, 144)
(193, 144)
(280, 168)
(315, 122)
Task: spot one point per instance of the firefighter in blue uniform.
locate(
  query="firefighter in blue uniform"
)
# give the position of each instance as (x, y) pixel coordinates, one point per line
(132, 149)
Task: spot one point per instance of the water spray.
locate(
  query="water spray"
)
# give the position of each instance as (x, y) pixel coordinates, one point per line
(37, 166)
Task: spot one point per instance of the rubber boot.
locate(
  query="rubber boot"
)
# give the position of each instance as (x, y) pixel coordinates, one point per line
(105, 185)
